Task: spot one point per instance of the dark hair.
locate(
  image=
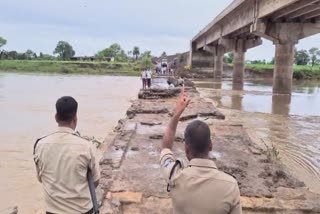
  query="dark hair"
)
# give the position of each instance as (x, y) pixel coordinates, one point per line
(67, 108)
(197, 136)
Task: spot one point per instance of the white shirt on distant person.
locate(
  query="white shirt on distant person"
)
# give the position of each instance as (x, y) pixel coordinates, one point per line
(144, 74)
(149, 74)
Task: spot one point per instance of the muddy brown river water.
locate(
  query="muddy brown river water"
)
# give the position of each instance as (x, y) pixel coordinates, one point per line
(27, 112)
(290, 123)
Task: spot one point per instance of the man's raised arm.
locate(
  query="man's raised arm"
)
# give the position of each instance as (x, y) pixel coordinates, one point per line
(170, 133)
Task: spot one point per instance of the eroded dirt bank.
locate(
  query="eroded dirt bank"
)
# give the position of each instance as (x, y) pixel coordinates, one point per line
(131, 180)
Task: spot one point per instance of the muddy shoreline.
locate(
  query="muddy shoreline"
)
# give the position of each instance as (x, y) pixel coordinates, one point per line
(131, 180)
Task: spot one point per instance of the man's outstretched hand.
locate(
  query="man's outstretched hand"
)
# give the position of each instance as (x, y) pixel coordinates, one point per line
(169, 135)
(182, 103)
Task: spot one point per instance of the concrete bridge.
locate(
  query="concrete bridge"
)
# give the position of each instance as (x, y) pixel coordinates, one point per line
(242, 25)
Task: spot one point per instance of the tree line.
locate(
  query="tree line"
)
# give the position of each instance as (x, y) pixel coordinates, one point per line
(311, 57)
(64, 51)
(301, 57)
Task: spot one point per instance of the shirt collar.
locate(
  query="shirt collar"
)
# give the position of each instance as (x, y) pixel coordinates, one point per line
(66, 129)
(202, 163)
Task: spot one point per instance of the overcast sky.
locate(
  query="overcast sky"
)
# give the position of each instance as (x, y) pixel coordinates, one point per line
(91, 25)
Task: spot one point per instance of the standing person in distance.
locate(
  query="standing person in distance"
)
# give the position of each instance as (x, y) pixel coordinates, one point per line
(143, 78)
(149, 76)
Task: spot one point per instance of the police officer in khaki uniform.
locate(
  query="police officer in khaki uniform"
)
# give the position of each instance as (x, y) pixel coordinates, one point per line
(62, 160)
(199, 187)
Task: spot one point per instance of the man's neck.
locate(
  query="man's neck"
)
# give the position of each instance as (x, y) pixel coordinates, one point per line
(206, 157)
(66, 126)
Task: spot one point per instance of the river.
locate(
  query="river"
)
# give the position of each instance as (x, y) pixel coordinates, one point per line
(289, 123)
(27, 103)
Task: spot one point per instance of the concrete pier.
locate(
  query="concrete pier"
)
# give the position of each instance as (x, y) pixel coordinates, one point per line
(239, 66)
(239, 62)
(283, 68)
(218, 63)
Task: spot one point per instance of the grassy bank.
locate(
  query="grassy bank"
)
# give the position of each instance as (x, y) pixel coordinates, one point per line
(69, 67)
(300, 72)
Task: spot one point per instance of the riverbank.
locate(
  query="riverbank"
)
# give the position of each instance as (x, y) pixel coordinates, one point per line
(265, 185)
(299, 72)
(69, 67)
(252, 72)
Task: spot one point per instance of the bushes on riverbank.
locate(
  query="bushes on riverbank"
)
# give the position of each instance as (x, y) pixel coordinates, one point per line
(300, 71)
(68, 67)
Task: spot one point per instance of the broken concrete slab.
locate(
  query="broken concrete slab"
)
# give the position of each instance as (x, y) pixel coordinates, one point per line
(234, 152)
(158, 93)
(125, 197)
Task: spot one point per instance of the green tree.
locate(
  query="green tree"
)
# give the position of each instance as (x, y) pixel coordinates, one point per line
(64, 50)
(258, 61)
(114, 51)
(231, 57)
(3, 55)
(314, 55)
(99, 56)
(302, 57)
(12, 55)
(146, 53)
(47, 57)
(164, 54)
(136, 52)
(2, 42)
(29, 54)
(272, 61)
(228, 58)
(122, 57)
(22, 56)
(146, 62)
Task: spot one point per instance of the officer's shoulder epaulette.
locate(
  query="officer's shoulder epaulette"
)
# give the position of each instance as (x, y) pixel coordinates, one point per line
(38, 140)
(77, 134)
(230, 174)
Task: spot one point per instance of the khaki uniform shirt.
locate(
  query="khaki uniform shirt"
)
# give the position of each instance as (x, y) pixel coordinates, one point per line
(200, 188)
(62, 161)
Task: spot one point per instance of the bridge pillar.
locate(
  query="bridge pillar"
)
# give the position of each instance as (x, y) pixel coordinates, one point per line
(239, 62)
(283, 68)
(239, 66)
(218, 62)
(284, 36)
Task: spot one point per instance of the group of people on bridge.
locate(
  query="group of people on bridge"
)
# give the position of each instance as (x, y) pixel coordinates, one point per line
(164, 70)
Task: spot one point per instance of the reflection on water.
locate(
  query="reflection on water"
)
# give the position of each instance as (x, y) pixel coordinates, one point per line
(217, 85)
(237, 86)
(27, 104)
(257, 97)
(281, 104)
(236, 102)
(291, 123)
